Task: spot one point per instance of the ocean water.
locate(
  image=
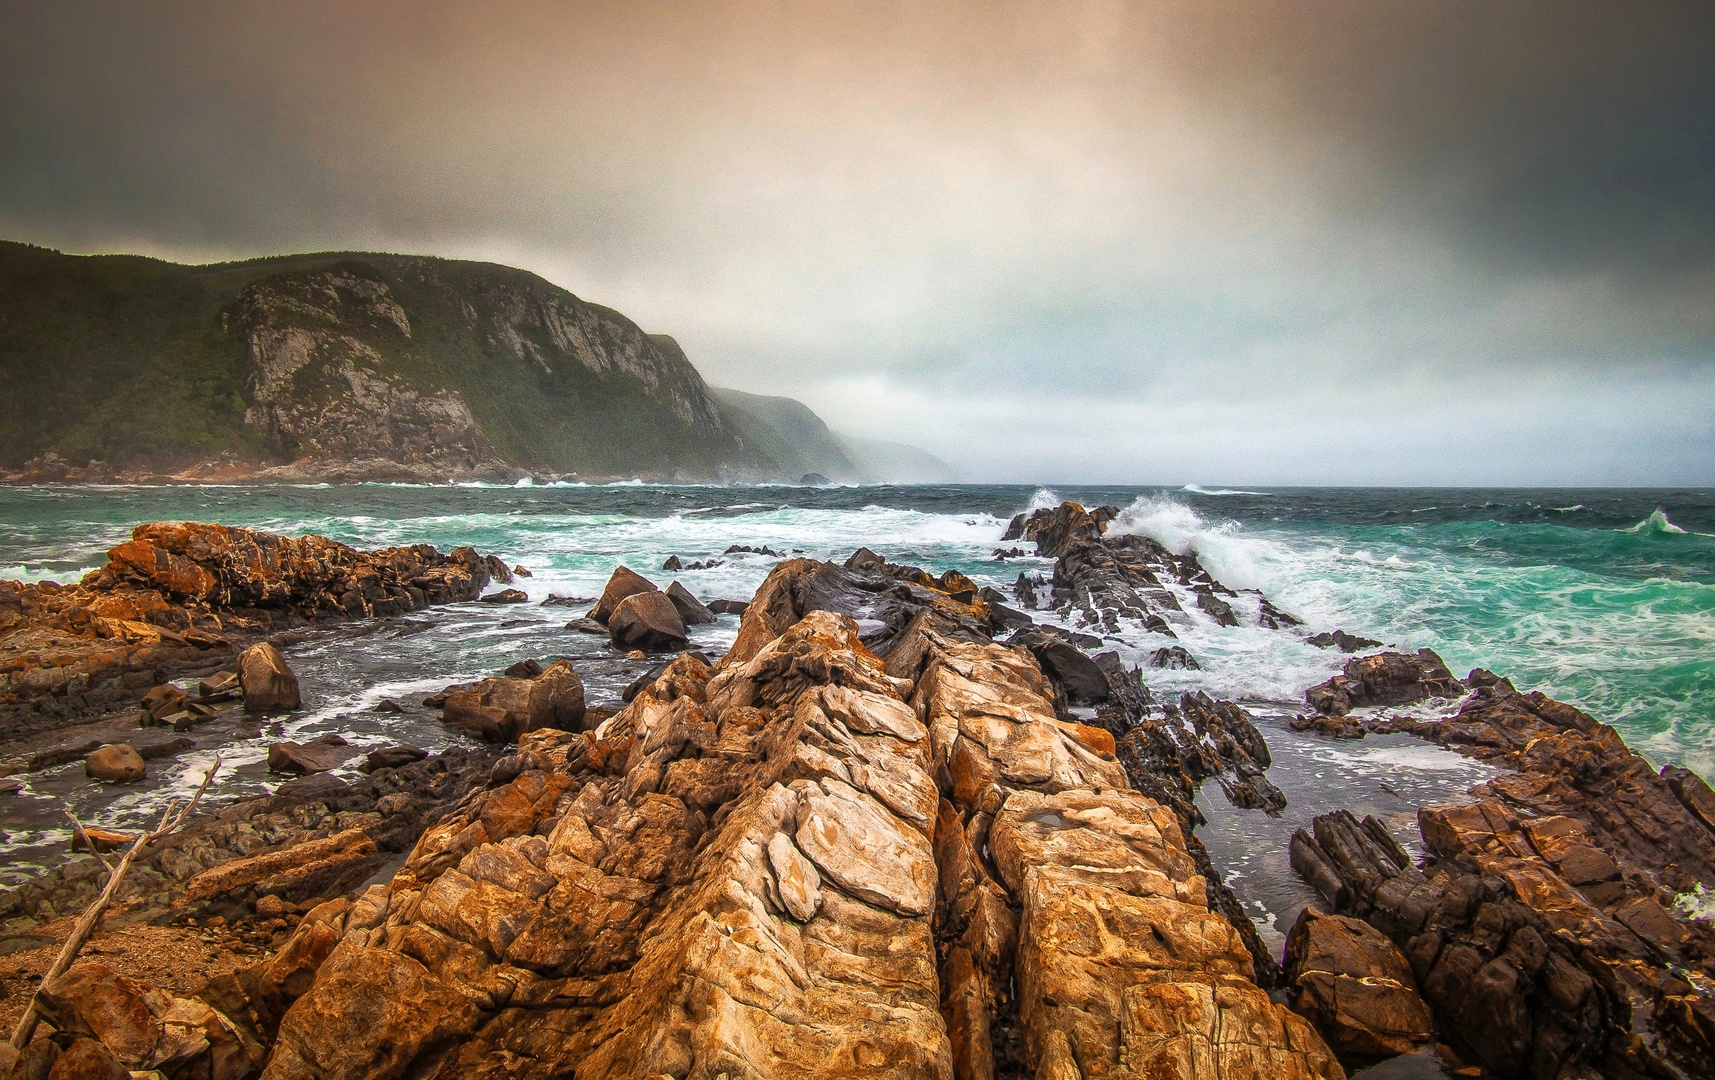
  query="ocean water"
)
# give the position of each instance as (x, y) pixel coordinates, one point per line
(1602, 598)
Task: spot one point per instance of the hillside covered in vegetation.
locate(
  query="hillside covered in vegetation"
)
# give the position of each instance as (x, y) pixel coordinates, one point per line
(340, 366)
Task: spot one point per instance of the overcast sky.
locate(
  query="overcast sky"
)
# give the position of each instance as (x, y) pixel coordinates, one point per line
(1412, 242)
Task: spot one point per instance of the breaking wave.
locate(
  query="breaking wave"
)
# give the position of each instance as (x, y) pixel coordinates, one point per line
(1658, 523)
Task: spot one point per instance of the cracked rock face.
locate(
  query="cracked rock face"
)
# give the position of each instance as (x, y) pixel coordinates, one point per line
(797, 864)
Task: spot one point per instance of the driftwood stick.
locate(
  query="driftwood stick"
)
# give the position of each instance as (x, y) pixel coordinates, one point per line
(81, 835)
(91, 917)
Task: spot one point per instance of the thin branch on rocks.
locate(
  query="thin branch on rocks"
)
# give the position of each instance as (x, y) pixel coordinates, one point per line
(81, 836)
(174, 817)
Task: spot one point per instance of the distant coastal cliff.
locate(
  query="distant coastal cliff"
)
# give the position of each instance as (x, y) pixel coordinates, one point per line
(350, 367)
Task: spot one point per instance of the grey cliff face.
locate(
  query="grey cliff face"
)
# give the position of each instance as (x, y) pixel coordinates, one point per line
(342, 380)
(550, 329)
(322, 348)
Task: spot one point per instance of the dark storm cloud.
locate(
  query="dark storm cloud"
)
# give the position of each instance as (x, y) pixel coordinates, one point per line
(1242, 241)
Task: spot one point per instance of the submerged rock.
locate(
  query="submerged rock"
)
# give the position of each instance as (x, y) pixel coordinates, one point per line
(1174, 657)
(1346, 643)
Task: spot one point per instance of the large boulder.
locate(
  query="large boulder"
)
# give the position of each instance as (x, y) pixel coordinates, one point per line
(318, 755)
(267, 680)
(500, 710)
(647, 621)
(1355, 985)
(116, 763)
(624, 582)
(691, 610)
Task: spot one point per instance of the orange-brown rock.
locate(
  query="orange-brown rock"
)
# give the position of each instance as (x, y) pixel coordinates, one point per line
(318, 755)
(1543, 929)
(500, 710)
(1355, 985)
(314, 868)
(623, 583)
(267, 681)
(144, 1027)
(1388, 678)
(115, 763)
(753, 870)
(179, 595)
(648, 621)
(1073, 908)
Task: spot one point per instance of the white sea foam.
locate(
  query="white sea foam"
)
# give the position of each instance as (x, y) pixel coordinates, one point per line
(1197, 489)
(1042, 499)
(31, 575)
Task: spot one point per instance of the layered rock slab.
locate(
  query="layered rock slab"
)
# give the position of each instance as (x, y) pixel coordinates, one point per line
(706, 883)
(1075, 932)
(800, 863)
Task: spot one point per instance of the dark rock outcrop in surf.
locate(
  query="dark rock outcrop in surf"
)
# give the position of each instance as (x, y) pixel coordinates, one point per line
(1542, 926)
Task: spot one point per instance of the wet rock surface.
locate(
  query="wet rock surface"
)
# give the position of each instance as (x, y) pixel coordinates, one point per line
(184, 597)
(115, 764)
(500, 710)
(871, 840)
(1389, 678)
(1542, 926)
(1355, 986)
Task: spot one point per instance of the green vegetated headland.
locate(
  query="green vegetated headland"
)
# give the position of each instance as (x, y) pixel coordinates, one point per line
(358, 366)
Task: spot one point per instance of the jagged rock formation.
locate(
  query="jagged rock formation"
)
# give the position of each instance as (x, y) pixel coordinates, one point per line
(187, 595)
(1099, 580)
(1388, 678)
(808, 859)
(1542, 926)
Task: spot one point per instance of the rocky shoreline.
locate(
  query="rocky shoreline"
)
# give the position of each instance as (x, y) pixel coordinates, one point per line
(899, 829)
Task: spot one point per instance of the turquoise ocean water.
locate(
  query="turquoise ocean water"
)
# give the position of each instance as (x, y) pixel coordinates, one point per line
(1603, 598)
